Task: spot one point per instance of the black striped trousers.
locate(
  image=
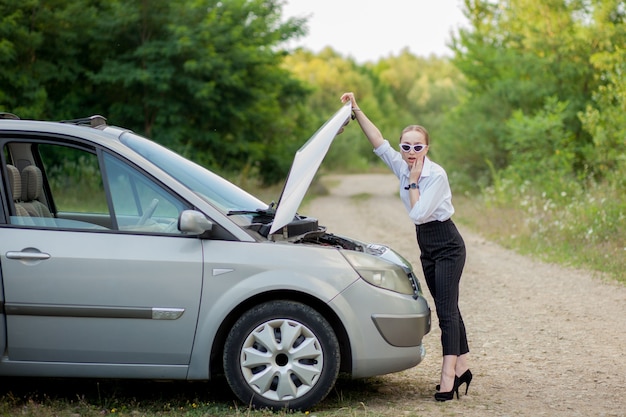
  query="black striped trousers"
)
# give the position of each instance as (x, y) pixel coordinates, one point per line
(443, 259)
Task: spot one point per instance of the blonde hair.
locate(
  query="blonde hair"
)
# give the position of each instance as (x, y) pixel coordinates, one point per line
(416, 128)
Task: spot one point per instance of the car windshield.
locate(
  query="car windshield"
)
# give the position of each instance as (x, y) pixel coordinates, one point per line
(221, 193)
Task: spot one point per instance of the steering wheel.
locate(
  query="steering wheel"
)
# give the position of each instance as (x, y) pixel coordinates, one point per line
(148, 212)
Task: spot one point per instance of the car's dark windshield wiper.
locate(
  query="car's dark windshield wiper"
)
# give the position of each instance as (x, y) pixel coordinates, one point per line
(262, 212)
(270, 211)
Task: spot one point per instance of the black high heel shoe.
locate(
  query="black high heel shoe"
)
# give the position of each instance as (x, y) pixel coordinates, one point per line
(447, 396)
(466, 378)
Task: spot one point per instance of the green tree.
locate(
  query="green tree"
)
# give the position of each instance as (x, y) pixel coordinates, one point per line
(204, 77)
(327, 75)
(517, 55)
(423, 91)
(605, 119)
(605, 116)
(44, 55)
(395, 92)
(540, 145)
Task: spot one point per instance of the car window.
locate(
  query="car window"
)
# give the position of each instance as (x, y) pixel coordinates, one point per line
(139, 203)
(74, 179)
(221, 193)
(79, 189)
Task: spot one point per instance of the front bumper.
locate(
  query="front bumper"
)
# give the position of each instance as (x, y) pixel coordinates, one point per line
(403, 330)
(384, 328)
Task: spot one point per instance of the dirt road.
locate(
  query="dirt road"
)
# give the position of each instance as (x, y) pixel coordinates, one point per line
(544, 340)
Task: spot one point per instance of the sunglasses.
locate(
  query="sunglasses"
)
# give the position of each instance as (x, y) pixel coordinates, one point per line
(405, 147)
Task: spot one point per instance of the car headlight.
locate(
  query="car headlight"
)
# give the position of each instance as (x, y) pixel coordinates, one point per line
(379, 272)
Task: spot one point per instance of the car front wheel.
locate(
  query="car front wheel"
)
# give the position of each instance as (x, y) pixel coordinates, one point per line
(281, 355)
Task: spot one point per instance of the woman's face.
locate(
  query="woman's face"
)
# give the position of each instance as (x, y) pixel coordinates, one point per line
(413, 138)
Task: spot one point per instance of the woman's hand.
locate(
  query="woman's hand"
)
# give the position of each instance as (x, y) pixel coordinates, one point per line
(349, 96)
(370, 130)
(416, 168)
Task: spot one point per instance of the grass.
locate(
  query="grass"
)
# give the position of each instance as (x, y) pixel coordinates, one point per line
(583, 231)
(44, 397)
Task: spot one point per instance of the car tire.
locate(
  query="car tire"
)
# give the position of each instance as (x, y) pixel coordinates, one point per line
(281, 355)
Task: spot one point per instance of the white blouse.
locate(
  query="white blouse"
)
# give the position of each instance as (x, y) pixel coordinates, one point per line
(435, 201)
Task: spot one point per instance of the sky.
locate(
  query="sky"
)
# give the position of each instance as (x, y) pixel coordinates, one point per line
(368, 30)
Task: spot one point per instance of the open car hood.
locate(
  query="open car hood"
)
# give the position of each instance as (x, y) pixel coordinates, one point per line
(304, 167)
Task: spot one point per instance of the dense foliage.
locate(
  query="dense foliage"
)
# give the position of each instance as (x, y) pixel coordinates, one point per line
(532, 69)
(204, 77)
(542, 126)
(395, 92)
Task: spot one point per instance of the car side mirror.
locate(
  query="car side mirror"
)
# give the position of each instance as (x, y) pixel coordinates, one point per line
(194, 222)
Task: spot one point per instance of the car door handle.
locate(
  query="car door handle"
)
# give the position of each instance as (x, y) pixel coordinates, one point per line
(28, 256)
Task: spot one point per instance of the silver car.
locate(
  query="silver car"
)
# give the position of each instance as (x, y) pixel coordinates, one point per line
(121, 259)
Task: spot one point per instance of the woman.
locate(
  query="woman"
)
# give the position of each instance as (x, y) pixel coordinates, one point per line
(425, 192)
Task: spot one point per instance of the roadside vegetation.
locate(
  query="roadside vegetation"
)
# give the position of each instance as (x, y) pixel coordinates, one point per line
(528, 117)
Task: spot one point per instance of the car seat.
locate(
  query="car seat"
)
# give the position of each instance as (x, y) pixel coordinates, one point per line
(15, 182)
(32, 190)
